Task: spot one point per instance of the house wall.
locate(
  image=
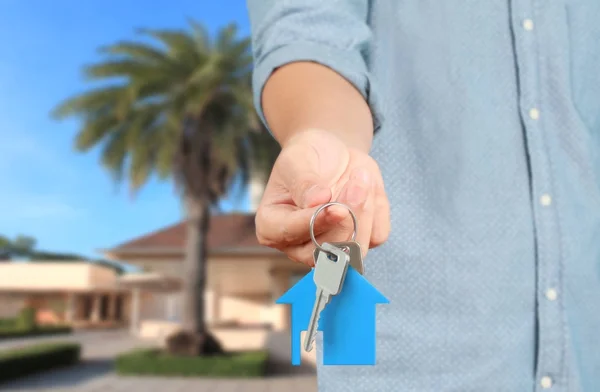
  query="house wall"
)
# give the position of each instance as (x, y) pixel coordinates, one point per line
(59, 276)
(101, 276)
(167, 266)
(11, 305)
(50, 308)
(238, 290)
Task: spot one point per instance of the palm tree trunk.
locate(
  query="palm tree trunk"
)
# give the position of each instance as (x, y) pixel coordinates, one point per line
(195, 270)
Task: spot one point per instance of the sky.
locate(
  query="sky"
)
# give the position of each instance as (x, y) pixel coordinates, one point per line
(65, 199)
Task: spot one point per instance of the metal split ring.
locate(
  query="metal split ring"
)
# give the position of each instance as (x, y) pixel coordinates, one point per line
(314, 217)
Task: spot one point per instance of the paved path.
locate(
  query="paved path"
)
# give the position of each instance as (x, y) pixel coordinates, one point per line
(95, 373)
(88, 339)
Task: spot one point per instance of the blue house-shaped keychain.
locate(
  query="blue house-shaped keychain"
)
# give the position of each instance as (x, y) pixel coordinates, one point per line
(347, 322)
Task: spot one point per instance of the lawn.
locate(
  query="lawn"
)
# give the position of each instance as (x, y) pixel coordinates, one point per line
(157, 363)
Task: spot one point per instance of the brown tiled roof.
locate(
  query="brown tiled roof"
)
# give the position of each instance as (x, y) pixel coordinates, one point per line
(226, 232)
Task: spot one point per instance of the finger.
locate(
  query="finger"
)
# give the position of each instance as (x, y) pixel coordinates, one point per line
(338, 232)
(304, 253)
(359, 196)
(280, 226)
(381, 218)
(303, 180)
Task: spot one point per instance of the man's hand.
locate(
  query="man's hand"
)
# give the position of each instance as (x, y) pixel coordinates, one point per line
(316, 167)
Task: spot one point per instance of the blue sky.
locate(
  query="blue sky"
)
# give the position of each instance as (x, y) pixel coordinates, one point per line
(65, 199)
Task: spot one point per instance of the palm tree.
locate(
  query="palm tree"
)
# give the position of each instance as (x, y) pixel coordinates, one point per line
(178, 104)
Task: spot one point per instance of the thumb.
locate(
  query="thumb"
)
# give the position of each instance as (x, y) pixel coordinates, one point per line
(308, 191)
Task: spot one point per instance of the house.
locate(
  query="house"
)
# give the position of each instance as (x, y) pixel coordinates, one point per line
(243, 278)
(243, 281)
(67, 292)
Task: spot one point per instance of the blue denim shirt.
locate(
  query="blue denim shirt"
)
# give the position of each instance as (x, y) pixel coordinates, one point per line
(488, 118)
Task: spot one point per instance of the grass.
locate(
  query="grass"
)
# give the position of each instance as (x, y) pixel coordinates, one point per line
(157, 363)
(21, 362)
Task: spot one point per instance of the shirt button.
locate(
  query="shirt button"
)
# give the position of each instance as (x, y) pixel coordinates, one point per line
(546, 200)
(546, 382)
(551, 294)
(528, 24)
(534, 114)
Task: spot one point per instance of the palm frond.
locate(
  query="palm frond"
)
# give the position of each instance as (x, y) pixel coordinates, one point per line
(176, 42)
(137, 118)
(114, 153)
(200, 35)
(136, 50)
(131, 69)
(90, 101)
(94, 130)
(226, 37)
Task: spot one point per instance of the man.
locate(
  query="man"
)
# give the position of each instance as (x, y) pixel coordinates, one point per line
(486, 116)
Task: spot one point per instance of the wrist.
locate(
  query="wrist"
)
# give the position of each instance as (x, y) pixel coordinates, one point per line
(361, 142)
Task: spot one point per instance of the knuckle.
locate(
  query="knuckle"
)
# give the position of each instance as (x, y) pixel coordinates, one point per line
(379, 237)
(299, 255)
(299, 184)
(287, 237)
(261, 222)
(376, 241)
(363, 251)
(347, 225)
(263, 240)
(259, 218)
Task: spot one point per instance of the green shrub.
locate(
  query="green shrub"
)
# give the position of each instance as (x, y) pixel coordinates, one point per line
(14, 332)
(8, 322)
(25, 325)
(157, 363)
(26, 319)
(35, 359)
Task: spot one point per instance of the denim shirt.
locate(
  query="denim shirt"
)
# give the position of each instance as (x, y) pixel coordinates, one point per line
(488, 128)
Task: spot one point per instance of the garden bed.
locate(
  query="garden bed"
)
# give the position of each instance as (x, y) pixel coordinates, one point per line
(21, 362)
(157, 363)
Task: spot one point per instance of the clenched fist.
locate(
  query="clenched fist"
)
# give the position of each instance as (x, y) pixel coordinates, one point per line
(316, 167)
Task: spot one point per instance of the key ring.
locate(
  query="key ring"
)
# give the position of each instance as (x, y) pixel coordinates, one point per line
(314, 217)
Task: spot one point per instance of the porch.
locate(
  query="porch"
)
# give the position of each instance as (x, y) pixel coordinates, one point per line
(240, 308)
(79, 309)
(80, 294)
(238, 300)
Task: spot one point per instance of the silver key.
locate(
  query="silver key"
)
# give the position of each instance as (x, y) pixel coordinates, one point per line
(352, 248)
(330, 271)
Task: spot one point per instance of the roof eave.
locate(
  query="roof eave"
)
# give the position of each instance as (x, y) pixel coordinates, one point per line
(177, 251)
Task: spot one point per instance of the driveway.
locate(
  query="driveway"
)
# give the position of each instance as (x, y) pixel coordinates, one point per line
(95, 373)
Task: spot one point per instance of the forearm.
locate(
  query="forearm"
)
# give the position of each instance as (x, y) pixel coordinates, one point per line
(303, 96)
(311, 71)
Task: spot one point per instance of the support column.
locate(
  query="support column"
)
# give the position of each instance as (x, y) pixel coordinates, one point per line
(135, 311)
(112, 307)
(280, 314)
(216, 304)
(70, 308)
(96, 303)
(172, 306)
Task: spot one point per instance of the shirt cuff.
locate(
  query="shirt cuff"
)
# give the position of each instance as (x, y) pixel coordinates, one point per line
(348, 64)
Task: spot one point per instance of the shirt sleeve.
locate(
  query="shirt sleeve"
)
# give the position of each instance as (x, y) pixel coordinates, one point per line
(334, 33)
